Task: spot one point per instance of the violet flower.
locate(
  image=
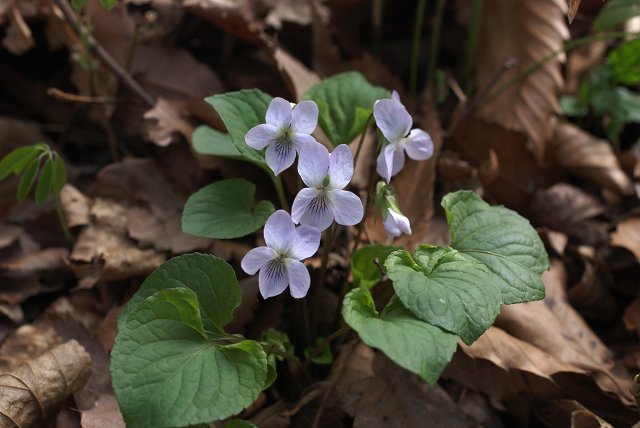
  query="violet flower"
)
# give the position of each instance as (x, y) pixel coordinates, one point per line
(325, 200)
(287, 129)
(396, 223)
(279, 262)
(394, 121)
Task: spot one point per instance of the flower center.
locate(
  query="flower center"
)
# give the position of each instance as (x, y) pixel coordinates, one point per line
(320, 203)
(284, 137)
(276, 267)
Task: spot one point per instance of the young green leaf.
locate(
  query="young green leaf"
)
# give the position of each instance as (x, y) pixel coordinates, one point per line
(411, 343)
(59, 175)
(108, 4)
(445, 289)
(239, 423)
(501, 240)
(240, 111)
(345, 102)
(17, 160)
(211, 278)
(225, 210)
(208, 141)
(324, 356)
(27, 179)
(365, 272)
(625, 63)
(78, 4)
(615, 12)
(44, 184)
(167, 372)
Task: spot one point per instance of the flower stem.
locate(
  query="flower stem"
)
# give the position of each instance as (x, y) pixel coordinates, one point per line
(415, 47)
(362, 135)
(277, 182)
(318, 348)
(322, 276)
(62, 220)
(435, 41)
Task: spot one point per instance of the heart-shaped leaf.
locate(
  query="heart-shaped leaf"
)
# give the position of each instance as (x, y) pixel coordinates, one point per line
(208, 141)
(363, 268)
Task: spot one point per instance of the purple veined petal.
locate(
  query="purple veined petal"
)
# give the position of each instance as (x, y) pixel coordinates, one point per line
(313, 164)
(396, 224)
(347, 207)
(312, 207)
(299, 279)
(256, 259)
(340, 167)
(301, 140)
(392, 118)
(273, 278)
(260, 136)
(279, 113)
(396, 97)
(279, 231)
(280, 156)
(390, 161)
(305, 243)
(304, 117)
(418, 145)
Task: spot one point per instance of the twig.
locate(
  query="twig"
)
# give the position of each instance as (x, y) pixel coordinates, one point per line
(104, 56)
(76, 98)
(383, 275)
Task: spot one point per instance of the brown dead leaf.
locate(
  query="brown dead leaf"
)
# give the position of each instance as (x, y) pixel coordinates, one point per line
(298, 78)
(569, 414)
(166, 118)
(588, 157)
(627, 235)
(105, 414)
(31, 393)
(590, 292)
(526, 31)
(236, 17)
(562, 206)
(75, 206)
(631, 316)
(18, 39)
(351, 374)
(301, 12)
(573, 9)
(25, 343)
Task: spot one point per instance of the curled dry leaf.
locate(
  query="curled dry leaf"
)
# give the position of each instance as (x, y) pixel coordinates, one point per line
(573, 5)
(75, 206)
(18, 39)
(564, 413)
(627, 235)
(31, 394)
(526, 31)
(166, 118)
(588, 157)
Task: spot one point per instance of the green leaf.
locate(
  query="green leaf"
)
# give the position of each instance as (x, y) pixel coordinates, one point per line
(445, 289)
(211, 278)
(44, 184)
(78, 4)
(573, 106)
(615, 12)
(345, 102)
(225, 210)
(411, 343)
(17, 160)
(208, 141)
(365, 272)
(322, 357)
(167, 373)
(59, 175)
(240, 111)
(108, 4)
(500, 239)
(239, 423)
(625, 63)
(28, 178)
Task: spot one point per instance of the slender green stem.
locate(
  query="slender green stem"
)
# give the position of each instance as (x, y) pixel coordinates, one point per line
(435, 41)
(415, 47)
(322, 276)
(472, 45)
(318, 348)
(62, 220)
(362, 135)
(277, 182)
(542, 61)
(376, 23)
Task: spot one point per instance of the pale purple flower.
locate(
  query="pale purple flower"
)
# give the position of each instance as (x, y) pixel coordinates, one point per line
(396, 223)
(287, 129)
(325, 200)
(279, 262)
(394, 121)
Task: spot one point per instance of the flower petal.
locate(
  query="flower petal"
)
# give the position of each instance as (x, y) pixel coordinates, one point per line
(347, 207)
(300, 140)
(312, 207)
(418, 145)
(340, 167)
(305, 242)
(395, 96)
(273, 278)
(390, 161)
(256, 258)
(280, 156)
(392, 118)
(279, 113)
(261, 136)
(304, 117)
(299, 279)
(396, 224)
(279, 231)
(313, 164)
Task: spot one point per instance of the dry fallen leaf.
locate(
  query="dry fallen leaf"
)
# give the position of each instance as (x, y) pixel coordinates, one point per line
(573, 5)
(627, 235)
(588, 157)
(31, 394)
(166, 118)
(526, 31)
(569, 413)
(18, 39)
(298, 78)
(105, 414)
(75, 206)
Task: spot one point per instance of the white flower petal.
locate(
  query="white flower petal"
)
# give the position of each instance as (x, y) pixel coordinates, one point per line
(347, 207)
(261, 136)
(280, 156)
(279, 231)
(396, 224)
(313, 164)
(395, 96)
(418, 145)
(305, 243)
(279, 113)
(304, 117)
(340, 167)
(273, 278)
(256, 258)
(392, 118)
(312, 207)
(299, 279)
(390, 161)
(301, 140)
(301, 202)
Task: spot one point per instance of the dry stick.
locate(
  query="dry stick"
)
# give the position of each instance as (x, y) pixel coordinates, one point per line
(76, 98)
(104, 56)
(508, 64)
